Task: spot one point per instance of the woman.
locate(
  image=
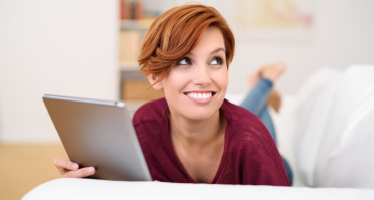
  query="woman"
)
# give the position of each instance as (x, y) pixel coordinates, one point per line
(194, 135)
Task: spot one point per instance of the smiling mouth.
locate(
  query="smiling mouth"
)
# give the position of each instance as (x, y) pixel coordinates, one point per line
(200, 95)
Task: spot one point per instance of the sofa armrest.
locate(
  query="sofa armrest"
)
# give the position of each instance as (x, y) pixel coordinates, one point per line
(71, 189)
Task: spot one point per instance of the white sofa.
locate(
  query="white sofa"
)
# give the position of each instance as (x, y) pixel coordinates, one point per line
(326, 131)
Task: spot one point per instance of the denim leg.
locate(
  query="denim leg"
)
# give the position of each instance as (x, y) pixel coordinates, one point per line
(256, 100)
(288, 170)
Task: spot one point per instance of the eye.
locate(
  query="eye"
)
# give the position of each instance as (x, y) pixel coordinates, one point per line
(217, 61)
(184, 61)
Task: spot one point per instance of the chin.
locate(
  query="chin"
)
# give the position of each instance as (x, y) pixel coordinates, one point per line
(200, 113)
(201, 117)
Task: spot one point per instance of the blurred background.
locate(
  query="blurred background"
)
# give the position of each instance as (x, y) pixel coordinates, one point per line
(89, 48)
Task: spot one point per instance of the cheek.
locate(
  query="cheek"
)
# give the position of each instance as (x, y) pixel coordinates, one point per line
(174, 83)
(221, 79)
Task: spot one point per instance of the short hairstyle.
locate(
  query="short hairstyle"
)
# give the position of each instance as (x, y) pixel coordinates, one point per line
(175, 33)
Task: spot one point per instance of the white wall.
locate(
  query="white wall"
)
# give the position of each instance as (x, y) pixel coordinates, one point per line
(64, 47)
(343, 35)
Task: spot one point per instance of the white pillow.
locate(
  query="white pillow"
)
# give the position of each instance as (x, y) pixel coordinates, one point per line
(309, 113)
(346, 152)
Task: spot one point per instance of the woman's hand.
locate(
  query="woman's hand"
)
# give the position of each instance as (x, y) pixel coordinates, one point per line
(69, 169)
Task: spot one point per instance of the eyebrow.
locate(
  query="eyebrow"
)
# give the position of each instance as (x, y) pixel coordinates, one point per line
(213, 52)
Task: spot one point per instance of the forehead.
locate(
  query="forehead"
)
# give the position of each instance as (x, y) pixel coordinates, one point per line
(211, 40)
(212, 34)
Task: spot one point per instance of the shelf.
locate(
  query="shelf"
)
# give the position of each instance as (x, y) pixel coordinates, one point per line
(140, 25)
(128, 70)
(129, 66)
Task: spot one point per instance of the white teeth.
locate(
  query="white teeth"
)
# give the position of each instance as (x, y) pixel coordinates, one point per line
(199, 95)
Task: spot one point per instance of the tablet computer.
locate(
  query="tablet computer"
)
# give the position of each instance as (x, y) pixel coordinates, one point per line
(98, 133)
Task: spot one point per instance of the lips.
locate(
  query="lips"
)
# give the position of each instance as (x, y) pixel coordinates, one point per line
(200, 97)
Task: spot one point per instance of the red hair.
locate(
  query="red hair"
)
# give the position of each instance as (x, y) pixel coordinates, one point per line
(175, 33)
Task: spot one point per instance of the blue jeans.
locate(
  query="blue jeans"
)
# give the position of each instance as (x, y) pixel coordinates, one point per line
(256, 102)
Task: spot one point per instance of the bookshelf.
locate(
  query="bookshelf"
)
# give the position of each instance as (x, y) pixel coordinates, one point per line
(134, 23)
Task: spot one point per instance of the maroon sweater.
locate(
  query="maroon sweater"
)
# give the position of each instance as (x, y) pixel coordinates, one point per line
(249, 156)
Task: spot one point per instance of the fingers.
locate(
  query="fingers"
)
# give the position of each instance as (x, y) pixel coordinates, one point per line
(84, 172)
(69, 169)
(64, 165)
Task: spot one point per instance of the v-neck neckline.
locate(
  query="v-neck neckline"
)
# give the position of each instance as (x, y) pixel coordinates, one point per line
(221, 166)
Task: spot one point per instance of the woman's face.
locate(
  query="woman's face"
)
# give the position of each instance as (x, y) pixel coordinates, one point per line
(196, 86)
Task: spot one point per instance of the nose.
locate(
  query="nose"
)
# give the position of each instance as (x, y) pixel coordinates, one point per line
(201, 75)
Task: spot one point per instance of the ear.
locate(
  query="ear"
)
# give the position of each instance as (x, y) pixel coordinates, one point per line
(153, 79)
